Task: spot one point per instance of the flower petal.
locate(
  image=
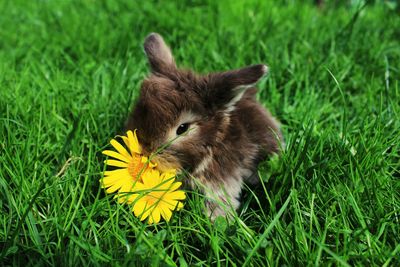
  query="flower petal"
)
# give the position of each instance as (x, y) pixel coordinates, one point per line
(120, 148)
(168, 175)
(147, 161)
(156, 215)
(150, 221)
(151, 164)
(138, 207)
(175, 186)
(125, 197)
(131, 198)
(166, 184)
(117, 178)
(116, 163)
(146, 212)
(113, 188)
(123, 172)
(134, 143)
(127, 187)
(126, 141)
(180, 206)
(116, 155)
(110, 180)
(176, 195)
(166, 213)
(168, 204)
(140, 189)
(151, 178)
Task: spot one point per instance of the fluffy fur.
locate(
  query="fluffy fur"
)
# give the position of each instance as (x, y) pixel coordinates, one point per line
(229, 133)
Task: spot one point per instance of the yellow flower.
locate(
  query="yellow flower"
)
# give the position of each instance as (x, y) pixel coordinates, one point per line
(132, 165)
(157, 196)
(153, 194)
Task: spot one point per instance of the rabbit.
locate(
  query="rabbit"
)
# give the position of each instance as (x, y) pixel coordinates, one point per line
(219, 131)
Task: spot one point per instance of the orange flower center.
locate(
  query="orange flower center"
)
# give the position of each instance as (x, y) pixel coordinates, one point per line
(153, 198)
(136, 168)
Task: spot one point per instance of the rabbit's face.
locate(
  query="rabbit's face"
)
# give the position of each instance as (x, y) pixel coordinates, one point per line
(181, 115)
(169, 116)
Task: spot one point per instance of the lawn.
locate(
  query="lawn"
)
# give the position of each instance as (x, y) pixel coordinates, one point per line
(71, 70)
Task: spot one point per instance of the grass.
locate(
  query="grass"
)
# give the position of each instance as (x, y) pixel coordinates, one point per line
(70, 70)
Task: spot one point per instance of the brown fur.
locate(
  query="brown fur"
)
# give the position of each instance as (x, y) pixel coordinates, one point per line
(230, 131)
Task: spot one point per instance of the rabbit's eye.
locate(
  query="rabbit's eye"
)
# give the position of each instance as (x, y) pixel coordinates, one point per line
(182, 128)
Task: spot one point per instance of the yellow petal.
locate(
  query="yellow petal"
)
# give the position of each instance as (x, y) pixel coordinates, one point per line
(127, 187)
(177, 195)
(140, 188)
(122, 181)
(166, 184)
(118, 172)
(152, 165)
(175, 186)
(117, 179)
(120, 149)
(134, 143)
(166, 213)
(168, 175)
(113, 188)
(126, 141)
(146, 212)
(155, 215)
(116, 163)
(131, 198)
(151, 178)
(138, 207)
(116, 155)
(121, 199)
(110, 180)
(170, 172)
(125, 197)
(180, 206)
(116, 184)
(128, 195)
(146, 161)
(168, 203)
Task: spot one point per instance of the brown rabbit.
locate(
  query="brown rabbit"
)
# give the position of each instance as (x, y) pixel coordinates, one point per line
(215, 128)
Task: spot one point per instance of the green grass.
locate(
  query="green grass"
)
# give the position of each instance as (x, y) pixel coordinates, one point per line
(70, 71)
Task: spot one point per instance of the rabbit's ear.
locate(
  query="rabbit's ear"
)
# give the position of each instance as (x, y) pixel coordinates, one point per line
(158, 54)
(228, 87)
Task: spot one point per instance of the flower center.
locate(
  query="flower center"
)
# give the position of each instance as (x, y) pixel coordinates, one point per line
(150, 200)
(153, 198)
(136, 168)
